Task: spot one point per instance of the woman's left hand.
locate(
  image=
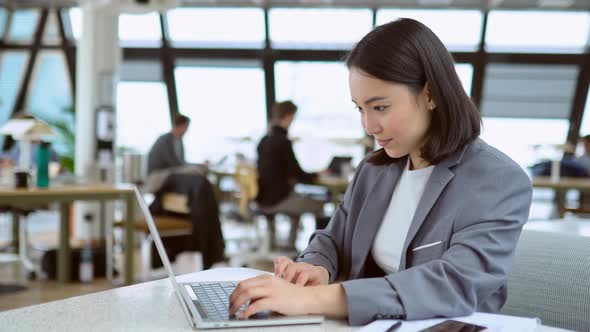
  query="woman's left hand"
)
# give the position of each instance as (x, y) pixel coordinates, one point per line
(268, 292)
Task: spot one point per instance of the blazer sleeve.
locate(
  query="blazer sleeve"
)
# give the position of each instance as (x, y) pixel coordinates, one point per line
(325, 245)
(475, 265)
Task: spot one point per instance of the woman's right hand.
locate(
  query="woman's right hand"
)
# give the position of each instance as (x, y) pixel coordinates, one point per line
(302, 274)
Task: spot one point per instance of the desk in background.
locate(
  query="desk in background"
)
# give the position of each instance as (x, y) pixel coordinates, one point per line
(560, 187)
(65, 196)
(151, 306)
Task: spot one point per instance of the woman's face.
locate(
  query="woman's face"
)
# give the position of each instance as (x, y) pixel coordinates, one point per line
(392, 113)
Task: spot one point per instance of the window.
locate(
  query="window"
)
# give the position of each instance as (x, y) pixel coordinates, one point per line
(529, 91)
(12, 66)
(50, 88)
(585, 126)
(140, 30)
(217, 27)
(142, 114)
(227, 108)
(459, 30)
(518, 137)
(326, 123)
(318, 27)
(465, 73)
(51, 32)
(50, 94)
(23, 25)
(537, 31)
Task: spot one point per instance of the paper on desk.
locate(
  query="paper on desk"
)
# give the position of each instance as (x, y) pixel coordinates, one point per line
(494, 323)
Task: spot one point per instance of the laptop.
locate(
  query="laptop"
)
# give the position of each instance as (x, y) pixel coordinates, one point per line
(336, 164)
(206, 304)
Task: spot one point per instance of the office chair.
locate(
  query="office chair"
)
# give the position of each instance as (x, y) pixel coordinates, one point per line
(550, 279)
(246, 177)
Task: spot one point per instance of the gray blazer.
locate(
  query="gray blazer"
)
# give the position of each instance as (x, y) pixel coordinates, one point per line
(475, 203)
(163, 154)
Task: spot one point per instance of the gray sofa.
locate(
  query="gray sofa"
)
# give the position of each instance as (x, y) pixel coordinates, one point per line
(550, 280)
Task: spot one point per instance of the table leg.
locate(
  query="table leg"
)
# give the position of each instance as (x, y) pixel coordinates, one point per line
(63, 260)
(15, 232)
(129, 237)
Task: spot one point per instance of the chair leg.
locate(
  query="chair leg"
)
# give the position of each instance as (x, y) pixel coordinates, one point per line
(23, 248)
(293, 231)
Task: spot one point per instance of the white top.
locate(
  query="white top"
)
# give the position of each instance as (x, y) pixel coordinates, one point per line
(389, 242)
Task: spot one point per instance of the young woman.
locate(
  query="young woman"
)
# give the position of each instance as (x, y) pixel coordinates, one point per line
(429, 223)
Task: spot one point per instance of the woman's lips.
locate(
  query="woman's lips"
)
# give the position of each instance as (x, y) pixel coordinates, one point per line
(383, 142)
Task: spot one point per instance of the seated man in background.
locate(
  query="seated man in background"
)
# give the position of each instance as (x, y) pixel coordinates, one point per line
(168, 172)
(168, 150)
(278, 171)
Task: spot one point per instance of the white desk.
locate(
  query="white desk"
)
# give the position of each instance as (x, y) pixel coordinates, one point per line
(151, 306)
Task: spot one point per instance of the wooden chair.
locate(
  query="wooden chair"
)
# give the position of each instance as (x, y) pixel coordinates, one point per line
(167, 226)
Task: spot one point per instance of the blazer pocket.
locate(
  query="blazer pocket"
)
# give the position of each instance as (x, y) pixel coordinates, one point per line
(427, 252)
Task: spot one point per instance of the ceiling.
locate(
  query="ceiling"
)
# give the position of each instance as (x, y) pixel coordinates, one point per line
(473, 4)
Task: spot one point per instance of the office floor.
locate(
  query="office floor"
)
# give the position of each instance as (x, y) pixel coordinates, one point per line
(43, 230)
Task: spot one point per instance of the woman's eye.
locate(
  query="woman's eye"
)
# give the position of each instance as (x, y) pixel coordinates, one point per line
(358, 108)
(379, 108)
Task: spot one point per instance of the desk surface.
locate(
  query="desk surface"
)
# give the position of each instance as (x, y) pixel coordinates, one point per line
(563, 183)
(74, 189)
(150, 306)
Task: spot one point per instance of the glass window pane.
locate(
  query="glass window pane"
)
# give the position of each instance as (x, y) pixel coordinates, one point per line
(323, 28)
(227, 107)
(465, 72)
(459, 30)
(51, 34)
(585, 126)
(23, 25)
(140, 30)
(326, 123)
(537, 31)
(12, 66)
(3, 16)
(50, 91)
(529, 91)
(518, 137)
(147, 101)
(217, 27)
(76, 21)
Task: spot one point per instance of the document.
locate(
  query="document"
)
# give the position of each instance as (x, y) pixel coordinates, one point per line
(494, 323)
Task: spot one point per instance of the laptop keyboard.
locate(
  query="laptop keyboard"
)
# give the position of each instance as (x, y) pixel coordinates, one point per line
(213, 298)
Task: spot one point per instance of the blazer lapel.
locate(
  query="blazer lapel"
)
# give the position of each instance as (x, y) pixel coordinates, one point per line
(441, 176)
(371, 215)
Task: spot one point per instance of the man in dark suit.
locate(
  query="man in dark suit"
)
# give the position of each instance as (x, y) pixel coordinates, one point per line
(168, 150)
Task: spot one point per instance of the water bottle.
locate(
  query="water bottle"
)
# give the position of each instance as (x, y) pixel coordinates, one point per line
(86, 271)
(43, 165)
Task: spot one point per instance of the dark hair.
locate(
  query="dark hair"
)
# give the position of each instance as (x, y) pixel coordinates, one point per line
(282, 109)
(180, 120)
(406, 51)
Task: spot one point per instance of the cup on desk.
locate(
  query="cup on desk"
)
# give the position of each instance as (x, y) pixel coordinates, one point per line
(21, 179)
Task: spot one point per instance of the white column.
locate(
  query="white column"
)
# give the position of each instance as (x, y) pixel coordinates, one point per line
(97, 63)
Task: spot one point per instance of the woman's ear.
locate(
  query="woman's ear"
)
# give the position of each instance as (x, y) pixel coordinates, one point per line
(430, 103)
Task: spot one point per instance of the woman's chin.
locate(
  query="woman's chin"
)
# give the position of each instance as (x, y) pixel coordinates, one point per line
(394, 153)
